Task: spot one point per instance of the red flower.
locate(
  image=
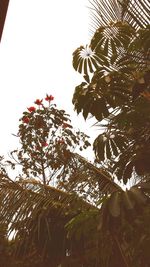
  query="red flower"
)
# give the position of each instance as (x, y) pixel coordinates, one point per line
(44, 144)
(26, 120)
(31, 109)
(38, 102)
(49, 98)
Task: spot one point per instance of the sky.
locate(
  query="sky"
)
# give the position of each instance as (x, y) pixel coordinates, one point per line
(36, 58)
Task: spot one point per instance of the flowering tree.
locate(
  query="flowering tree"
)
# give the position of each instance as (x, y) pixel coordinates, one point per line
(47, 140)
(48, 163)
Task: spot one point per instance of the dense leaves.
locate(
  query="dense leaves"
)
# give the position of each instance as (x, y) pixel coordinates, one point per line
(116, 91)
(118, 87)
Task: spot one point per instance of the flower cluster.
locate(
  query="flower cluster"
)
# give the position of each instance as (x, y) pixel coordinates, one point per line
(38, 102)
(47, 138)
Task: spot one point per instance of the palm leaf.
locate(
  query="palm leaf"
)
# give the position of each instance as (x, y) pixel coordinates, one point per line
(109, 145)
(105, 182)
(85, 60)
(104, 12)
(109, 40)
(135, 13)
(37, 216)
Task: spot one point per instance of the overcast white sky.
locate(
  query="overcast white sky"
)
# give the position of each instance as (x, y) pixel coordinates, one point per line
(36, 58)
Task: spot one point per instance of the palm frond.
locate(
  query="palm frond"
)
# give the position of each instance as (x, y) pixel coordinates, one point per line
(88, 181)
(37, 214)
(103, 12)
(20, 199)
(134, 12)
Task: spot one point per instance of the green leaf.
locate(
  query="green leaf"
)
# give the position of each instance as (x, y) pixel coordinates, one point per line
(90, 65)
(108, 150)
(85, 67)
(80, 65)
(113, 46)
(86, 110)
(98, 147)
(120, 142)
(106, 47)
(114, 148)
(86, 77)
(117, 41)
